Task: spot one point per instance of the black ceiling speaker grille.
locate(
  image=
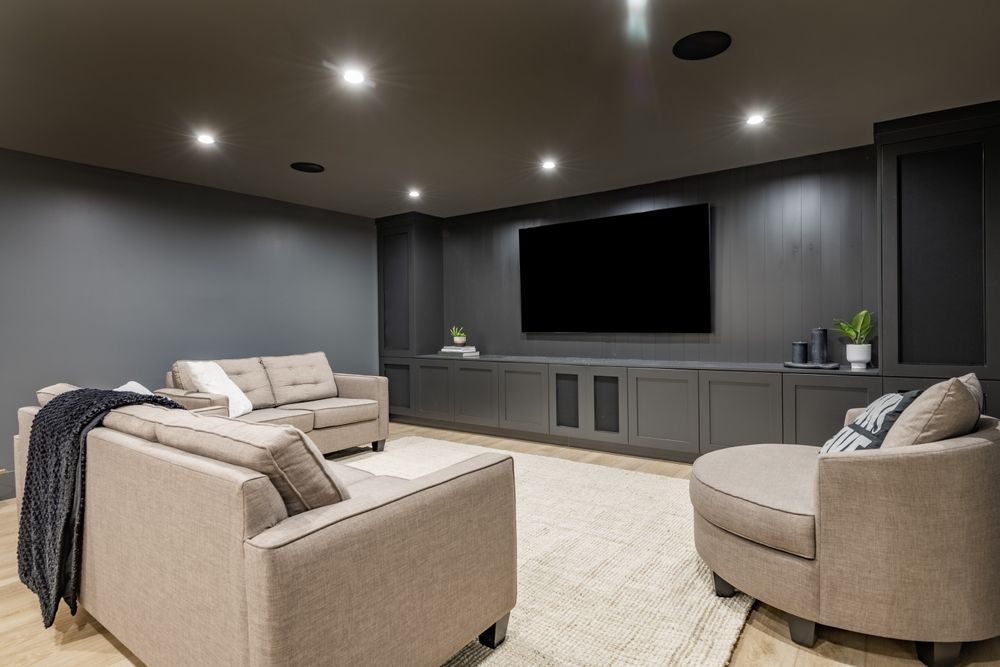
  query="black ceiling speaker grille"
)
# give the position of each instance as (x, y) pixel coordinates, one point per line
(307, 167)
(702, 45)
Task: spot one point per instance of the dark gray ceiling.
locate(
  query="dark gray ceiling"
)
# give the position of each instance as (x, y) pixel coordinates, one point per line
(469, 94)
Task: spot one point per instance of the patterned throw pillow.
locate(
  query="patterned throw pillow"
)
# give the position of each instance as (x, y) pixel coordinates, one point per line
(869, 430)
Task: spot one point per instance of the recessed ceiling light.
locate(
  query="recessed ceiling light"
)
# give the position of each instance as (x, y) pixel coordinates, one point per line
(413, 193)
(354, 76)
(755, 119)
(206, 139)
(548, 164)
(702, 45)
(307, 167)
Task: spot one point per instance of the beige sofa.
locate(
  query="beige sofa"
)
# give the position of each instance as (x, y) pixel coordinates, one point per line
(901, 542)
(337, 410)
(209, 541)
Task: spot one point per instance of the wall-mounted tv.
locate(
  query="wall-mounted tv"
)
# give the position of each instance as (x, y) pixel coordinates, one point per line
(647, 272)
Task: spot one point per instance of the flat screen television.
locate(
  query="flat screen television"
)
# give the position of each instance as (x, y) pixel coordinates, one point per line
(647, 272)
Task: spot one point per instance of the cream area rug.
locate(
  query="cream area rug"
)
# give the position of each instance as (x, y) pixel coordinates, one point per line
(607, 570)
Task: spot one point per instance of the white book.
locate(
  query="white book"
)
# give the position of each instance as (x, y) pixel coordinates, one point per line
(458, 348)
(463, 355)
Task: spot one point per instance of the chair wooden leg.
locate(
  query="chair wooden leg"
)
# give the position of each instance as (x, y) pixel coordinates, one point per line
(494, 635)
(939, 654)
(378, 446)
(723, 588)
(803, 632)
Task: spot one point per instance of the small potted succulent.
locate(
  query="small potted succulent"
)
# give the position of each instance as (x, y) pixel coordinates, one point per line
(858, 330)
(458, 335)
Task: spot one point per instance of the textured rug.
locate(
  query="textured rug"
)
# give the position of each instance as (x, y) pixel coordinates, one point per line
(607, 570)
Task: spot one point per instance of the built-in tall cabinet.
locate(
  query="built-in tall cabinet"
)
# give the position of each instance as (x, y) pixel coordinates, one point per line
(939, 205)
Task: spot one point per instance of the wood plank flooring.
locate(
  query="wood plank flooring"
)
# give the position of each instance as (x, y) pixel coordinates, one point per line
(81, 640)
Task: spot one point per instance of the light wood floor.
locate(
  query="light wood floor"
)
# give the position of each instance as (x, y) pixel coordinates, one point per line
(81, 640)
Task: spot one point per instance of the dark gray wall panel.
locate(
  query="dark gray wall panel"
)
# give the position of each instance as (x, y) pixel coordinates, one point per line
(663, 409)
(107, 276)
(394, 258)
(815, 405)
(739, 408)
(474, 392)
(524, 397)
(795, 245)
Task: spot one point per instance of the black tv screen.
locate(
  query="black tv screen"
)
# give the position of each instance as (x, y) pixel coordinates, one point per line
(645, 272)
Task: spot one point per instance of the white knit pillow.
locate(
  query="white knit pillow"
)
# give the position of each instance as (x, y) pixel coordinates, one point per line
(208, 377)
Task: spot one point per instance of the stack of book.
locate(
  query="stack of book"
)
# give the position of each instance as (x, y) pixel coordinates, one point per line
(463, 351)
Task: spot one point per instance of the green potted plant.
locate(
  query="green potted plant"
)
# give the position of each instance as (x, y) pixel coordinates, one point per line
(858, 330)
(458, 335)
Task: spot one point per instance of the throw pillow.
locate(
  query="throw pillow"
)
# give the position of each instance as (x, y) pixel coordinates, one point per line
(209, 377)
(869, 430)
(946, 410)
(971, 383)
(134, 387)
(46, 394)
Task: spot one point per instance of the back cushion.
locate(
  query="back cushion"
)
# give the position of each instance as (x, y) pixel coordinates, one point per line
(247, 374)
(137, 420)
(283, 453)
(300, 377)
(46, 394)
(946, 410)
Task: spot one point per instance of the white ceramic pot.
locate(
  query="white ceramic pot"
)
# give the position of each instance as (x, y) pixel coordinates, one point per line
(859, 356)
(459, 340)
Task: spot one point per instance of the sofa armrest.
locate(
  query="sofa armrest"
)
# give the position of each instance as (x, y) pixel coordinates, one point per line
(852, 414)
(373, 387)
(432, 558)
(911, 531)
(192, 400)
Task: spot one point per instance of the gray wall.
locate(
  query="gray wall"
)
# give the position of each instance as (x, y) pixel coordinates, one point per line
(795, 245)
(107, 276)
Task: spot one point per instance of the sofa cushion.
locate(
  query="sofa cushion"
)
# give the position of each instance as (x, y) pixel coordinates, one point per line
(338, 411)
(946, 410)
(46, 394)
(764, 493)
(300, 377)
(248, 374)
(283, 453)
(971, 382)
(300, 419)
(376, 484)
(347, 474)
(137, 420)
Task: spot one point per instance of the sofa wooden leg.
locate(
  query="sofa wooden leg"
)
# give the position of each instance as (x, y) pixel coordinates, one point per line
(939, 654)
(803, 632)
(496, 633)
(723, 588)
(378, 446)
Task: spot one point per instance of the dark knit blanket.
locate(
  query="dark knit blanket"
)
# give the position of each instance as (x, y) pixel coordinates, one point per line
(50, 537)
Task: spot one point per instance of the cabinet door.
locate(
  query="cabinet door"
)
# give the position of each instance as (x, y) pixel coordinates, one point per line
(433, 389)
(474, 392)
(940, 198)
(738, 408)
(395, 279)
(524, 397)
(567, 392)
(400, 374)
(814, 405)
(663, 409)
(606, 404)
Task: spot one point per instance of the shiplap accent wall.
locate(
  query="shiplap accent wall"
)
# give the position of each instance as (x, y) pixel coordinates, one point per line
(795, 245)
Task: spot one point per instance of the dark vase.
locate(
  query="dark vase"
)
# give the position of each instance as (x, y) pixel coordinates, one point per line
(800, 352)
(817, 346)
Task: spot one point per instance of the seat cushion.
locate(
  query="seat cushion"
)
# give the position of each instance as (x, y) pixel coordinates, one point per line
(300, 377)
(283, 453)
(338, 411)
(300, 419)
(764, 493)
(376, 484)
(347, 474)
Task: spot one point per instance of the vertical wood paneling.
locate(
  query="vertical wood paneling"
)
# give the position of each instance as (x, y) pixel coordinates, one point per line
(795, 245)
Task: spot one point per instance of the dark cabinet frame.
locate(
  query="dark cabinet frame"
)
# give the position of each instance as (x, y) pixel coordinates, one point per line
(586, 429)
(687, 419)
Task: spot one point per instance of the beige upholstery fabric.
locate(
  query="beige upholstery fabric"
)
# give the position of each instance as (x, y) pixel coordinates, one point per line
(380, 569)
(908, 539)
(300, 419)
(300, 377)
(379, 484)
(284, 454)
(338, 411)
(249, 375)
(972, 383)
(192, 400)
(946, 410)
(852, 414)
(46, 394)
(765, 493)
(336, 438)
(163, 563)
(137, 420)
